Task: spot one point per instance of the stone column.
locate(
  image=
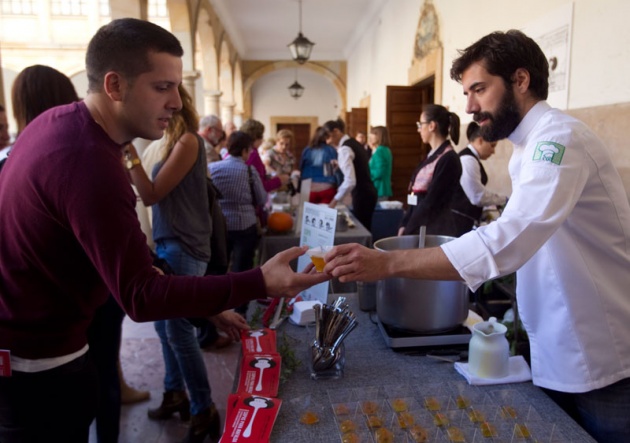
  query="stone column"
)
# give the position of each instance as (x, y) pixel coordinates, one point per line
(227, 112)
(238, 119)
(211, 102)
(190, 77)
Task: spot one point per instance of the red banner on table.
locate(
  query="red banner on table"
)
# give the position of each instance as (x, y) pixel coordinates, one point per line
(250, 418)
(260, 374)
(258, 341)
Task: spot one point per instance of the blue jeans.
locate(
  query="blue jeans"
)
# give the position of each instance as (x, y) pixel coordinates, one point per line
(183, 362)
(604, 413)
(242, 250)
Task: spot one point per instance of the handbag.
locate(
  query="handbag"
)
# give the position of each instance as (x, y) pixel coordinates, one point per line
(259, 228)
(218, 263)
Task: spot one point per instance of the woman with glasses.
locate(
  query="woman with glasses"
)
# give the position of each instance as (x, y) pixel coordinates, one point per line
(436, 178)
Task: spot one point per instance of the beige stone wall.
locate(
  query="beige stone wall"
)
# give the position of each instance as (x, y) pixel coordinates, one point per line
(610, 123)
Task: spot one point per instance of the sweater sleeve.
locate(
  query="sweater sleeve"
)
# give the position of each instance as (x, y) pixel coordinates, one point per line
(101, 213)
(269, 183)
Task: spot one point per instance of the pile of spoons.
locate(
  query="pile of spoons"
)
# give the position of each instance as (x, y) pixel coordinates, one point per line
(333, 323)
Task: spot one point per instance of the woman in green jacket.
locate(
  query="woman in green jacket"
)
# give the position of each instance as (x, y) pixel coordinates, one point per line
(381, 162)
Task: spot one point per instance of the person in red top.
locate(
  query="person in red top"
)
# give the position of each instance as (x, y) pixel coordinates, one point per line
(70, 236)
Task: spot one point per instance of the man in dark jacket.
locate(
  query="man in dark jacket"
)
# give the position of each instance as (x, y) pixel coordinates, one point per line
(353, 163)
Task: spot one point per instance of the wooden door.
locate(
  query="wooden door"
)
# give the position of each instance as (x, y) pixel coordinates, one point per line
(404, 106)
(357, 121)
(301, 138)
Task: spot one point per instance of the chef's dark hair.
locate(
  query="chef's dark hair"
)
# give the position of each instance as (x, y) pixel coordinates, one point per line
(502, 53)
(447, 122)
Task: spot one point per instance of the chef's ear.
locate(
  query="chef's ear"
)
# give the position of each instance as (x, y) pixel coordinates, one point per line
(521, 80)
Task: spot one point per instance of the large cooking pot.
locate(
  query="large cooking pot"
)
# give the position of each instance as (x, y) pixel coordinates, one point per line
(420, 306)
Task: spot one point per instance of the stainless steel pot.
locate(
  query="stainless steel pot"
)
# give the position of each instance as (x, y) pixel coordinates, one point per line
(422, 306)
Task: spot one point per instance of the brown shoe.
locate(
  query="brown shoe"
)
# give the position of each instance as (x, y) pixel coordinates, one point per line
(129, 395)
(172, 401)
(206, 423)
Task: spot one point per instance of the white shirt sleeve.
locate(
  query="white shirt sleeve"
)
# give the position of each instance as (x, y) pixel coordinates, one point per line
(544, 194)
(345, 157)
(472, 186)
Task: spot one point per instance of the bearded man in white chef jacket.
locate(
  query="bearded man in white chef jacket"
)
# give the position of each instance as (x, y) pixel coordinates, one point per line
(565, 231)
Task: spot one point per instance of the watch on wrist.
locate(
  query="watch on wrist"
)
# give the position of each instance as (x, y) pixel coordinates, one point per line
(131, 163)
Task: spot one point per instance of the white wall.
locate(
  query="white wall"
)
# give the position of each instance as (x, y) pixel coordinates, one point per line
(270, 97)
(599, 51)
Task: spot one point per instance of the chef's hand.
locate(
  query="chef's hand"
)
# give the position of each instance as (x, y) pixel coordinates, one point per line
(231, 323)
(401, 231)
(354, 262)
(282, 281)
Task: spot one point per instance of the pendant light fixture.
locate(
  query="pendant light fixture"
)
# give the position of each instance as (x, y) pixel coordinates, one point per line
(301, 47)
(296, 90)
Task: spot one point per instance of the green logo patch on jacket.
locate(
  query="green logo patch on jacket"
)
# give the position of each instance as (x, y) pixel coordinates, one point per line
(548, 152)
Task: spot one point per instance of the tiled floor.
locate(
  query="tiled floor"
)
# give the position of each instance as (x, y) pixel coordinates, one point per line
(143, 368)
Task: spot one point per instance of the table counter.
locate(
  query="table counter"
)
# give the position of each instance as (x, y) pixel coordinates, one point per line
(374, 370)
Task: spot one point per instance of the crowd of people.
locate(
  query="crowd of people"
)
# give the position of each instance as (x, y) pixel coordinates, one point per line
(74, 259)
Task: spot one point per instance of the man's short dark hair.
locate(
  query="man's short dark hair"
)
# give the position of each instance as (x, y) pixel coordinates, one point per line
(239, 141)
(473, 131)
(502, 53)
(123, 45)
(331, 125)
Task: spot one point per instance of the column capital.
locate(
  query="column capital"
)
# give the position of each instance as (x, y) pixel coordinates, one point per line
(191, 75)
(212, 93)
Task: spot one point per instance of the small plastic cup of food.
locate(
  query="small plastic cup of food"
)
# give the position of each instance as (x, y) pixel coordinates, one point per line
(317, 256)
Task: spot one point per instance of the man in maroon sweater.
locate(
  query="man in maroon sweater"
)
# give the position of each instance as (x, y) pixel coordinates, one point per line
(70, 236)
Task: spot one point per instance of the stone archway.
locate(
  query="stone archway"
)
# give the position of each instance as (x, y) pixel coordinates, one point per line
(338, 82)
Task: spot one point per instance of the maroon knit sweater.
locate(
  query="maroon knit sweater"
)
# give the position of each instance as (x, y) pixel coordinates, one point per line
(69, 235)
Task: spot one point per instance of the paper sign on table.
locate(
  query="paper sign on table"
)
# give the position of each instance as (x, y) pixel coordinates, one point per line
(318, 229)
(258, 341)
(260, 374)
(250, 418)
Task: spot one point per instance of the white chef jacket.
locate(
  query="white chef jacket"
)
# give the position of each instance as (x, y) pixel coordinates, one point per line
(470, 182)
(566, 231)
(345, 158)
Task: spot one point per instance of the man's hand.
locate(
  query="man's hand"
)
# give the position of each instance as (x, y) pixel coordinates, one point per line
(354, 262)
(284, 179)
(282, 281)
(231, 323)
(332, 204)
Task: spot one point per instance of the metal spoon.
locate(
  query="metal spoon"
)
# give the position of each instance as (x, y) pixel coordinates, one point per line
(422, 236)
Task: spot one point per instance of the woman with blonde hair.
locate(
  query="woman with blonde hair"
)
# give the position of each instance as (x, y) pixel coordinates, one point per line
(281, 159)
(181, 231)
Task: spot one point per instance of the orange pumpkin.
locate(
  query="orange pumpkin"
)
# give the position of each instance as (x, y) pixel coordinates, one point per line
(280, 222)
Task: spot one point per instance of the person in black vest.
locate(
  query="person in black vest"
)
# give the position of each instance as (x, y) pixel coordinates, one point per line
(472, 195)
(436, 178)
(353, 163)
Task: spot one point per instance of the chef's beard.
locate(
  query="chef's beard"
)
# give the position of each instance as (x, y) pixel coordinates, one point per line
(503, 122)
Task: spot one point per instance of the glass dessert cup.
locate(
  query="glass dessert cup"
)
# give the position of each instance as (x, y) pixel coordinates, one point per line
(317, 256)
